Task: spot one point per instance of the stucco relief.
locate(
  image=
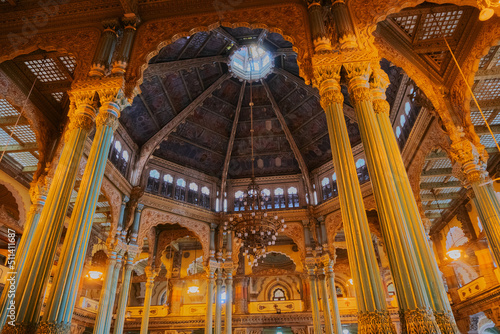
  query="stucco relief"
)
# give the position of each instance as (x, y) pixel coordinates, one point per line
(287, 20)
(151, 218)
(114, 199)
(296, 233)
(333, 223)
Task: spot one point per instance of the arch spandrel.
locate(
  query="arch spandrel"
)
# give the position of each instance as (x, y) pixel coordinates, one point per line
(152, 217)
(295, 232)
(114, 199)
(288, 20)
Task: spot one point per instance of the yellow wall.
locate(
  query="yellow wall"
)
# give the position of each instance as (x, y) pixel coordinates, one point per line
(20, 193)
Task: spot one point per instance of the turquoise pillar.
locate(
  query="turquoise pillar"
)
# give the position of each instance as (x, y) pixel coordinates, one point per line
(38, 194)
(112, 296)
(39, 260)
(123, 298)
(62, 299)
(151, 275)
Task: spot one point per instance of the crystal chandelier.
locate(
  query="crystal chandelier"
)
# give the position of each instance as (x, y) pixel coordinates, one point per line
(253, 226)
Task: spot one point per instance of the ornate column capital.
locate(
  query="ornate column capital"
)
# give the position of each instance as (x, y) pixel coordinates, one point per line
(358, 74)
(471, 162)
(379, 81)
(151, 274)
(38, 194)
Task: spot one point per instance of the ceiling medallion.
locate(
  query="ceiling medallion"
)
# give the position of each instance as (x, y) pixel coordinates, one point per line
(251, 63)
(253, 226)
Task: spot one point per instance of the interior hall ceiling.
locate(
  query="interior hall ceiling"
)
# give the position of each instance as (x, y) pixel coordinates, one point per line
(193, 74)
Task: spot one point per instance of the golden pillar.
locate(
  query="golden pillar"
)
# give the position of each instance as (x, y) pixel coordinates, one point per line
(434, 287)
(415, 309)
(327, 315)
(151, 275)
(313, 283)
(39, 259)
(372, 309)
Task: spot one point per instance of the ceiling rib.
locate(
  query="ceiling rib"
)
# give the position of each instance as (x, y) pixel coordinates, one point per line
(174, 66)
(148, 148)
(230, 144)
(291, 141)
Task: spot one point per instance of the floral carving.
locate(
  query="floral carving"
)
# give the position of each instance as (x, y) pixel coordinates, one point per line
(151, 218)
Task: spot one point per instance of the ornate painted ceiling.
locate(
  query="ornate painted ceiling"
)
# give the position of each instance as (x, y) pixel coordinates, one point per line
(192, 76)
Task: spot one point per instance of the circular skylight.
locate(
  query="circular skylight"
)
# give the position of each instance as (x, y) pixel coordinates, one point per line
(250, 63)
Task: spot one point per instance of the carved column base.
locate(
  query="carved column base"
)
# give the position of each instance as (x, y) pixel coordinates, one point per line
(375, 322)
(29, 328)
(53, 328)
(418, 321)
(446, 323)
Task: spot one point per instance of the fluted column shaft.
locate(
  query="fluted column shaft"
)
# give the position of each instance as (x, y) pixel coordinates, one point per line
(210, 293)
(100, 321)
(337, 325)
(62, 298)
(318, 28)
(40, 195)
(229, 302)
(415, 311)
(123, 53)
(112, 296)
(122, 300)
(327, 315)
(40, 255)
(370, 297)
(434, 287)
(151, 275)
(313, 283)
(105, 48)
(218, 303)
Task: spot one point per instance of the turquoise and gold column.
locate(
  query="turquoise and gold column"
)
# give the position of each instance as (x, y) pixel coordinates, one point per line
(125, 288)
(433, 286)
(38, 194)
(337, 325)
(151, 275)
(415, 308)
(473, 165)
(100, 320)
(218, 301)
(39, 260)
(313, 284)
(210, 301)
(327, 315)
(228, 267)
(62, 298)
(372, 308)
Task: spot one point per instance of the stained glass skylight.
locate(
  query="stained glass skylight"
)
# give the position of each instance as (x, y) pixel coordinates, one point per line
(251, 63)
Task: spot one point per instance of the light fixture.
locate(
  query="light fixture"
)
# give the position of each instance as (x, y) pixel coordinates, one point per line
(253, 225)
(454, 253)
(487, 10)
(95, 274)
(193, 289)
(351, 281)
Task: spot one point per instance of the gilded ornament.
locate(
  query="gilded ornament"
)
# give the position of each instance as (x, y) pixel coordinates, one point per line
(360, 94)
(330, 97)
(375, 322)
(53, 328)
(446, 323)
(107, 119)
(418, 321)
(81, 121)
(381, 106)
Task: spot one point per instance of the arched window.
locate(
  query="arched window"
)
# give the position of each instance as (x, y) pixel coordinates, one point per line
(293, 198)
(279, 294)
(390, 289)
(266, 198)
(167, 187)
(115, 152)
(180, 190)
(279, 198)
(239, 202)
(205, 198)
(193, 193)
(327, 188)
(153, 181)
(340, 291)
(335, 190)
(402, 120)
(408, 106)
(362, 171)
(398, 132)
(124, 162)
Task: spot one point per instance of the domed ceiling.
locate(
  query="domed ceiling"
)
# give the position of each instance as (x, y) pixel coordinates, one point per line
(203, 109)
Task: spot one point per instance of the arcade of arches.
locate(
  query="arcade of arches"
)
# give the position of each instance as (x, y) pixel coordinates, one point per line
(130, 130)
